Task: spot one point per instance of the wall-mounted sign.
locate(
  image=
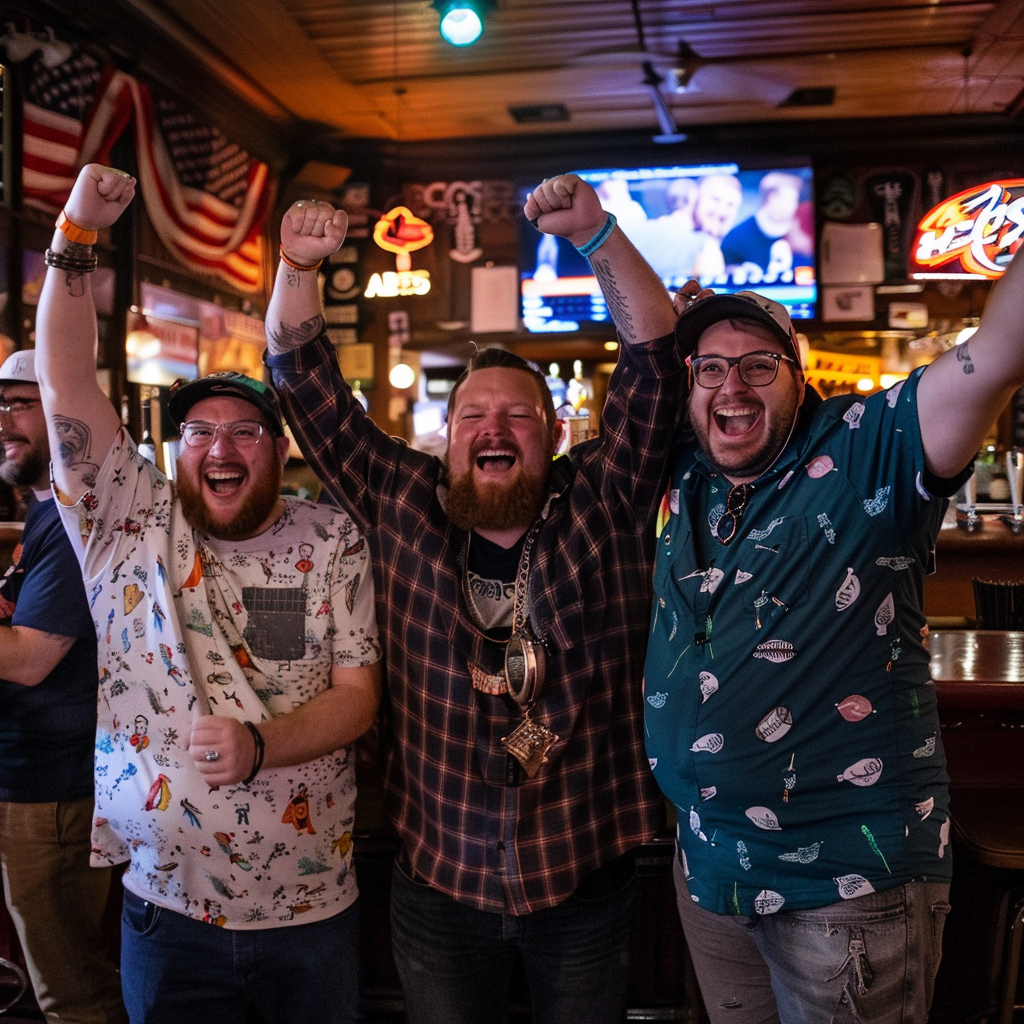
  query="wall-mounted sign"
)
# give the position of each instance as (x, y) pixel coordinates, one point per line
(403, 282)
(400, 231)
(972, 234)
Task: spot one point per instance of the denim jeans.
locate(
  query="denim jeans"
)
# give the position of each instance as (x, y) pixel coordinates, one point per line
(454, 961)
(177, 970)
(868, 960)
(57, 903)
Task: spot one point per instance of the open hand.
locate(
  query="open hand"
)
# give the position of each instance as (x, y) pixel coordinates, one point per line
(311, 230)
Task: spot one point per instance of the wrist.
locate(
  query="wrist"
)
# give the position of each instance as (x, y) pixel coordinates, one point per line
(258, 752)
(286, 259)
(75, 232)
(593, 242)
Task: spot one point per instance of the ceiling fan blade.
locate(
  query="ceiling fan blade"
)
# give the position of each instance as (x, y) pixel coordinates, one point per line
(666, 122)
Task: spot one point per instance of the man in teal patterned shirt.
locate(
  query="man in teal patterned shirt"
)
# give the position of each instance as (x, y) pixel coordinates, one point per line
(790, 716)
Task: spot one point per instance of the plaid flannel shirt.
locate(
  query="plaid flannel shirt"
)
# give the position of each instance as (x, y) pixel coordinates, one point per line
(500, 847)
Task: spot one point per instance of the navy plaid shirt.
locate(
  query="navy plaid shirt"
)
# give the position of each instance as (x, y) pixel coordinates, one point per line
(467, 832)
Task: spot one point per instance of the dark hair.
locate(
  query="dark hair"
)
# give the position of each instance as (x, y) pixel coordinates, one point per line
(499, 358)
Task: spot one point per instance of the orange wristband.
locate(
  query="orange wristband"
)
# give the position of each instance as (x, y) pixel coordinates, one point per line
(298, 266)
(73, 233)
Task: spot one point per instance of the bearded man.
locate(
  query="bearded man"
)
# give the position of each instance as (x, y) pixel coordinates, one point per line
(512, 592)
(235, 672)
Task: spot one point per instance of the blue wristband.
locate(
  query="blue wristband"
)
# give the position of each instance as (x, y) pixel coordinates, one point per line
(589, 248)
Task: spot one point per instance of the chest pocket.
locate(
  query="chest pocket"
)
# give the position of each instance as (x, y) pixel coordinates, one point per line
(771, 561)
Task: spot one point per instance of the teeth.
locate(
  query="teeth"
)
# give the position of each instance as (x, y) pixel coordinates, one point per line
(495, 453)
(734, 412)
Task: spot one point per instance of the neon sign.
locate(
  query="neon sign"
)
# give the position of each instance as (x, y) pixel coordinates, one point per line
(400, 231)
(391, 284)
(972, 234)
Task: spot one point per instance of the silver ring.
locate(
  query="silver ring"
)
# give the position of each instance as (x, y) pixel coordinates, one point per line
(212, 755)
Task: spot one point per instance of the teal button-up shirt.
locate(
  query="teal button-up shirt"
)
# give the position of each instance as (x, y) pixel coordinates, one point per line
(790, 716)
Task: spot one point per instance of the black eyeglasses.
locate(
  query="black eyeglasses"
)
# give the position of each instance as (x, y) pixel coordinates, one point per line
(756, 369)
(735, 503)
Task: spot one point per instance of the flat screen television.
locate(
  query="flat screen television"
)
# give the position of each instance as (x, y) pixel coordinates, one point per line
(731, 227)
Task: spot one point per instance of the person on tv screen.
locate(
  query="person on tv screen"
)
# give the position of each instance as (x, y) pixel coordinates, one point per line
(769, 244)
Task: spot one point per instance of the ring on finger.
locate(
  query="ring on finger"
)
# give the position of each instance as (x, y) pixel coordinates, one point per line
(212, 755)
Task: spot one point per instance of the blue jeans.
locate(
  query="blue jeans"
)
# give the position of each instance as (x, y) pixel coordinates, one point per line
(177, 970)
(454, 961)
(869, 960)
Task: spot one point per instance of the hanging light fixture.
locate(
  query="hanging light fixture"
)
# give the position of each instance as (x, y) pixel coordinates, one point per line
(462, 21)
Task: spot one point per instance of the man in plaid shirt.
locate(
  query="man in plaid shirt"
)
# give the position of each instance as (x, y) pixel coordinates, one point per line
(521, 797)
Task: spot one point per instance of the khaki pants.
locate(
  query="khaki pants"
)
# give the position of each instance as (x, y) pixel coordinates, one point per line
(57, 903)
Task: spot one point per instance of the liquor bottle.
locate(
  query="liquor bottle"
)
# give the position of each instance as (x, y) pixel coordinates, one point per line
(147, 446)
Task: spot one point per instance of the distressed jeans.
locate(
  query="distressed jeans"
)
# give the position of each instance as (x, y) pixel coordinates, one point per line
(869, 960)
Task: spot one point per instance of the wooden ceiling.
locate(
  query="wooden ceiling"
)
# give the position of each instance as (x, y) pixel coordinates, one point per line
(378, 69)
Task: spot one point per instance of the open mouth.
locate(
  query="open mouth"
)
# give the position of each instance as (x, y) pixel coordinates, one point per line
(495, 460)
(224, 481)
(735, 421)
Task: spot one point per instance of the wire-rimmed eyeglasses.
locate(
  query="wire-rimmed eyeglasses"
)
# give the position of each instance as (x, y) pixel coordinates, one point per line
(756, 369)
(200, 434)
(735, 503)
(18, 406)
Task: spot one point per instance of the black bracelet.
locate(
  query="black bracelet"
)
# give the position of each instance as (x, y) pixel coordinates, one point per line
(72, 264)
(257, 760)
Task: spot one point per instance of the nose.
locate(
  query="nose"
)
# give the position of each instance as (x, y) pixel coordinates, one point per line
(222, 439)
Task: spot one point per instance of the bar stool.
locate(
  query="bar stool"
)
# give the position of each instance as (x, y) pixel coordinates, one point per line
(990, 826)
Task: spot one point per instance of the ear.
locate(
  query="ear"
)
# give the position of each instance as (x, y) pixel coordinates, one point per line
(283, 444)
(559, 432)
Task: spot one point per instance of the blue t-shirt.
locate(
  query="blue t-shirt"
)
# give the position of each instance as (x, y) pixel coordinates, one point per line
(48, 731)
(790, 716)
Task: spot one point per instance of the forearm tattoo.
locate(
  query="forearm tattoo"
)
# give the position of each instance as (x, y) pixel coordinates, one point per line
(74, 281)
(75, 438)
(291, 337)
(963, 355)
(617, 304)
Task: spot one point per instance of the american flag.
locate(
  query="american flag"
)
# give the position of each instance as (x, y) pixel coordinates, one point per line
(56, 100)
(207, 198)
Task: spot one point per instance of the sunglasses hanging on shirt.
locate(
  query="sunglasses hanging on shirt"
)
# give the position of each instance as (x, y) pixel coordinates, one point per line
(735, 503)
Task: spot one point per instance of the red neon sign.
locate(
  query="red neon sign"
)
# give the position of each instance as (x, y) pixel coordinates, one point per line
(975, 232)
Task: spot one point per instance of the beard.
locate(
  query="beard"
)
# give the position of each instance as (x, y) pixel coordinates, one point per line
(258, 505)
(746, 464)
(495, 508)
(26, 472)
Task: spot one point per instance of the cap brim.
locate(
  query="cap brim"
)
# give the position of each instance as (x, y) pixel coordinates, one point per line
(704, 313)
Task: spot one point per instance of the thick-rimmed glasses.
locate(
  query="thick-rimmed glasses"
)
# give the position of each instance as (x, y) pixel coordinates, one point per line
(757, 369)
(199, 434)
(735, 503)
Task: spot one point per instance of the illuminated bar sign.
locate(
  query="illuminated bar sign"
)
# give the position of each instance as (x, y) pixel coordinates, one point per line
(973, 234)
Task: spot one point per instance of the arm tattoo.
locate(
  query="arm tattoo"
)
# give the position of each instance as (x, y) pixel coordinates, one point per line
(963, 355)
(290, 337)
(617, 304)
(74, 282)
(75, 438)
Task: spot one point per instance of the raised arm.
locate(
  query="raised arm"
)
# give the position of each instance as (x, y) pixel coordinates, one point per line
(639, 303)
(311, 230)
(963, 390)
(80, 419)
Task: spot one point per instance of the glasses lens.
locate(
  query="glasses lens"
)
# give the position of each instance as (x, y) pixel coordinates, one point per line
(710, 372)
(758, 369)
(245, 434)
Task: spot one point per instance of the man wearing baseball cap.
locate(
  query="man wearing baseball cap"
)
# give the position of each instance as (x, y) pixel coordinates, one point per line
(48, 685)
(790, 716)
(238, 662)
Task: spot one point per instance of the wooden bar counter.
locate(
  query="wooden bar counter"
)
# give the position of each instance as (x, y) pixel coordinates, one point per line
(993, 552)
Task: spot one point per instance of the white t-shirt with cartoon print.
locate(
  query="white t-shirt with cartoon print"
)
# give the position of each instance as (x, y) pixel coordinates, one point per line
(188, 626)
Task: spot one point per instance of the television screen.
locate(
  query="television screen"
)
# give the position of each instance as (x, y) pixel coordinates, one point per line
(729, 227)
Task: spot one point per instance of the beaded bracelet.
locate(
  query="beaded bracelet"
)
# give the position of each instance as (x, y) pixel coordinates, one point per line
(73, 233)
(588, 248)
(257, 760)
(72, 264)
(298, 266)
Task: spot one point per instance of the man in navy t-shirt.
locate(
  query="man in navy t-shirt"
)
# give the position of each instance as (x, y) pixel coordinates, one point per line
(48, 689)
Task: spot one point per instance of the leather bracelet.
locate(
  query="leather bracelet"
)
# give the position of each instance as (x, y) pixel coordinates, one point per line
(297, 266)
(599, 239)
(73, 233)
(72, 264)
(257, 760)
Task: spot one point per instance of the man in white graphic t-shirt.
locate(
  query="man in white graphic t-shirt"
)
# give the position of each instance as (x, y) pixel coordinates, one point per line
(237, 663)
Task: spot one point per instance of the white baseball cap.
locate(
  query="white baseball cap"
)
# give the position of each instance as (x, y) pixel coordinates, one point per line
(19, 368)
